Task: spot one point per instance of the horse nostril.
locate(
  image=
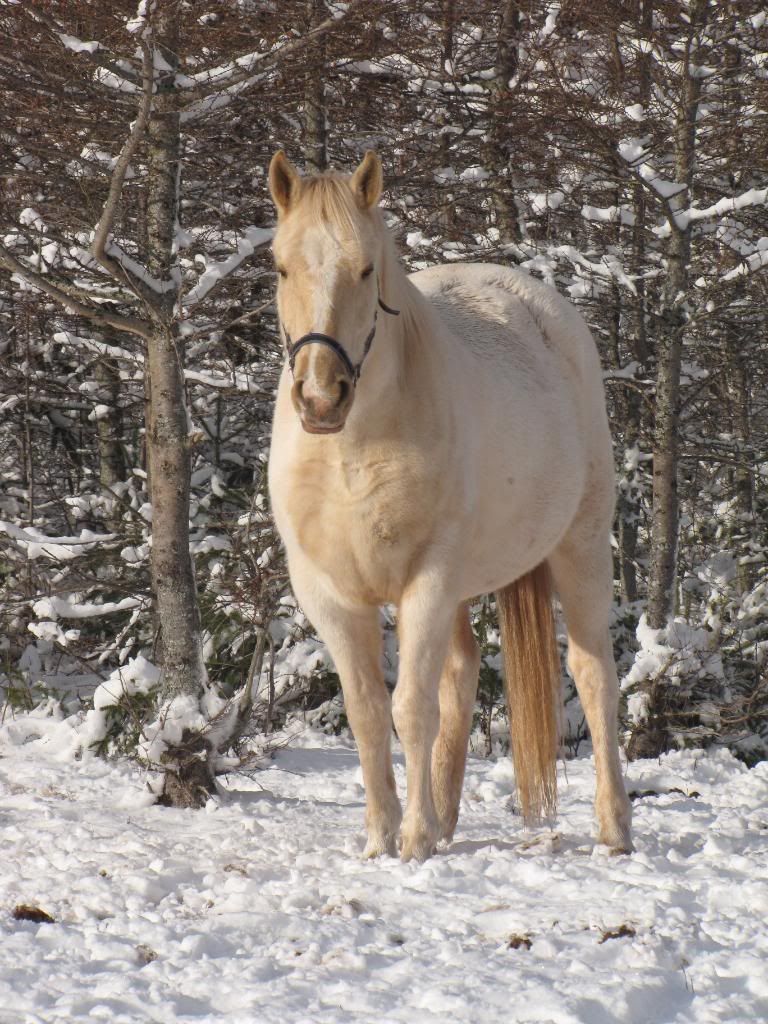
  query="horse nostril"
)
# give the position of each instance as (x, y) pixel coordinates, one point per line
(320, 402)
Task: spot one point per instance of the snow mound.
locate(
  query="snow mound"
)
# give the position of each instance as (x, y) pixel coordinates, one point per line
(260, 908)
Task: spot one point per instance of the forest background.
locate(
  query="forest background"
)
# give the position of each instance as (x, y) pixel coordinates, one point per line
(617, 150)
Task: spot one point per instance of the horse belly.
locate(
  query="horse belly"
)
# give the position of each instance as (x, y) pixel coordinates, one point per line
(504, 548)
(527, 498)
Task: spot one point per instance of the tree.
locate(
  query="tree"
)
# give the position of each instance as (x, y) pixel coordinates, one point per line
(137, 248)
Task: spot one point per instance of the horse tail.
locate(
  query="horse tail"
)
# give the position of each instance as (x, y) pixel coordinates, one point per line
(532, 677)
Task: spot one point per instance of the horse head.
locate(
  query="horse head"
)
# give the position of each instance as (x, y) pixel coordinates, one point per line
(329, 250)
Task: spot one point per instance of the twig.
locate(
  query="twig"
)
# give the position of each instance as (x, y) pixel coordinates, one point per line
(261, 66)
(107, 219)
(130, 324)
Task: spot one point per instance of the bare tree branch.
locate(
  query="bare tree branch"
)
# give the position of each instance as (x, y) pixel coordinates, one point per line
(261, 64)
(133, 325)
(114, 266)
(98, 58)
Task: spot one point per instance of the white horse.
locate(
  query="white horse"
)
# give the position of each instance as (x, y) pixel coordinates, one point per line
(439, 436)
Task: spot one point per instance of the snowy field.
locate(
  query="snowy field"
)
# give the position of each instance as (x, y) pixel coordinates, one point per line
(260, 909)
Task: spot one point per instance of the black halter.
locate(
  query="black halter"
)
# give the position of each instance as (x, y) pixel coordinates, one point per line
(315, 338)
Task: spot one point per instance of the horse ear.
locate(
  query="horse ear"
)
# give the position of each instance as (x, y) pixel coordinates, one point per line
(284, 182)
(367, 181)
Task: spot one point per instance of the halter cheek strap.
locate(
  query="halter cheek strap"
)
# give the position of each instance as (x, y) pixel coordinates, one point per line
(315, 338)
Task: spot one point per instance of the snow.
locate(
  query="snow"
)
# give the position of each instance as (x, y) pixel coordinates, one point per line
(633, 151)
(676, 653)
(608, 267)
(612, 214)
(753, 262)
(78, 45)
(252, 238)
(543, 201)
(31, 218)
(36, 544)
(728, 204)
(140, 22)
(92, 153)
(112, 81)
(59, 607)
(474, 173)
(99, 412)
(223, 72)
(138, 270)
(260, 908)
(551, 21)
(94, 345)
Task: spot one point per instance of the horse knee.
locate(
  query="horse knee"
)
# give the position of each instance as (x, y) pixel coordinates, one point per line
(416, 716)
(580, 664)
(466, 661)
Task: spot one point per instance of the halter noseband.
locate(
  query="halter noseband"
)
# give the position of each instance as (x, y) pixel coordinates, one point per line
(315, 338)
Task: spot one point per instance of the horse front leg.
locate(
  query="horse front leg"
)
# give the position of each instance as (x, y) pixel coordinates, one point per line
(425, 619)
(354, 641)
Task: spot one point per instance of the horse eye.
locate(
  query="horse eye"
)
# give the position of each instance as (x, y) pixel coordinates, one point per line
(367, 272)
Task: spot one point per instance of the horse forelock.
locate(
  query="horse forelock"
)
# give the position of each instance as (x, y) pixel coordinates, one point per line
(327, 202)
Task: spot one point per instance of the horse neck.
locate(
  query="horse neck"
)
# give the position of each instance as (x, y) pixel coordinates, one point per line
(390, 374)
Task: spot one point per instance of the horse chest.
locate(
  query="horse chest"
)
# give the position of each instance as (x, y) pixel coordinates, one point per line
(360, 528)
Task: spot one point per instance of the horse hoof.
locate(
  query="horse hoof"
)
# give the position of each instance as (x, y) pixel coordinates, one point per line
(617, 836)
(418, 848)
(380, 846)
(620, 851)
(617, 840)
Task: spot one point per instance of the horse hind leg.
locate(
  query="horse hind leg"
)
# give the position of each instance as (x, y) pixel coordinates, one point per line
(582, 573)
(458, 690)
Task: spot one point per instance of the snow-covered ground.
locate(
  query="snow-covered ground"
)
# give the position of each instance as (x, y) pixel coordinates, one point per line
(260, 909)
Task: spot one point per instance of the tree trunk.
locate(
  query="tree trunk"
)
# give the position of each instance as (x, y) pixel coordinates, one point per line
(666, 433)
(737, 360)
(498, 146)
(669, 704)
(666, 438)
(629, 504)
(315, 126)
(738, 387)
(110, 433)
(188, 779)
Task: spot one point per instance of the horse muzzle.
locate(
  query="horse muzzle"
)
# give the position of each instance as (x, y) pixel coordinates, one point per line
(322, 407)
